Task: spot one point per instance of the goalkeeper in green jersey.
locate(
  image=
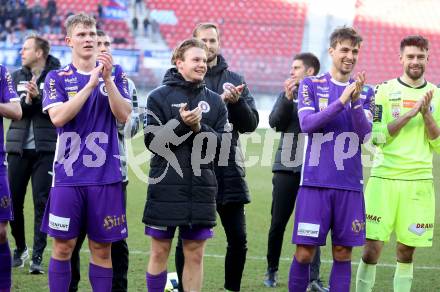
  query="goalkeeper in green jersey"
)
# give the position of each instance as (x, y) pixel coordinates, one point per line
(400, 194)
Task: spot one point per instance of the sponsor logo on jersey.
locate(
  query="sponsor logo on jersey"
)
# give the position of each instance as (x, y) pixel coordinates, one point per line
(420, 228)
(325, 95)
(409, 103)
(71, 94)
(323, 88)
(305, 94)
(114, 221)
(373, 218)
(308, 229)
(71, 88)
(377, 117)
(52, 89)
(179, 105)
(71, 80)
(204, 106)
(59, 223)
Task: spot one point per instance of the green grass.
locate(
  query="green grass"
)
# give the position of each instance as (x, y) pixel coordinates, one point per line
(258, 219)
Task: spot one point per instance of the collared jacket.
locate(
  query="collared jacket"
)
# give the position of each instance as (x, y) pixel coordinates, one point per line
(243, 116)
(45, 135)
(182, 188)
(284, 118)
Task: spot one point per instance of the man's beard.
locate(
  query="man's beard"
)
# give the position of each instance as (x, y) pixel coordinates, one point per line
(212, 57)
(416, 75)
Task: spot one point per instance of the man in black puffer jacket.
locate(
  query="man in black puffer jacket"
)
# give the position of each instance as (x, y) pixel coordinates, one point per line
(183, 128)
(233, 191)
(287, 168)
(30, 144)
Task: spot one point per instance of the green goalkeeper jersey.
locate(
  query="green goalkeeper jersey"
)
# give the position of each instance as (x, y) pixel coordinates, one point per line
(408, 155)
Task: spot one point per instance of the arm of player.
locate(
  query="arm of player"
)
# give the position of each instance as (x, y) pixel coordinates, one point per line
(361, 115)
(312, 121)
(11, 110)
(64, 112)
(120, 106)
(395, 126)
(431, 124)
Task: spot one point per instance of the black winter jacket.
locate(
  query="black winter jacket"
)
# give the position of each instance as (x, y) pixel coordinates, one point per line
(174, 200)
(44, 131)
(243, 116)
(284, 119)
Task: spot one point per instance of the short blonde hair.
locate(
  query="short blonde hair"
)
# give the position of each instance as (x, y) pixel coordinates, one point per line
(82, 18)
(184, 46)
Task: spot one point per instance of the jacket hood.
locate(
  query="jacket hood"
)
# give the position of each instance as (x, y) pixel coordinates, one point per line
(217, 69)
(174, 78)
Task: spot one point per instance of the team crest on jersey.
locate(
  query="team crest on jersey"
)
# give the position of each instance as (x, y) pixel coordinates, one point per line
(323, 103)
(227, 85)
(395, 110)
(5, 202)
(103, 89)
(204, 106)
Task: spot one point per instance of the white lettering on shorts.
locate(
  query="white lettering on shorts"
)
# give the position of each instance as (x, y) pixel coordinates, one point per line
(308, 229)
(59, 223)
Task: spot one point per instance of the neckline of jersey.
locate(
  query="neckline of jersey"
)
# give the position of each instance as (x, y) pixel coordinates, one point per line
(407, 85)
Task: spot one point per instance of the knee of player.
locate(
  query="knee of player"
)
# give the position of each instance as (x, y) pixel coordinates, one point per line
(3, 233)
(405, 253)
(159, 254)
(304, 254)
(62, 250)
(342, 253)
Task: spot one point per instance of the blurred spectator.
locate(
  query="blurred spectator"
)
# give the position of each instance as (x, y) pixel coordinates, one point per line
(51, 8)
(100, 10)
(138, 7)
(146, 24)
(135, 24)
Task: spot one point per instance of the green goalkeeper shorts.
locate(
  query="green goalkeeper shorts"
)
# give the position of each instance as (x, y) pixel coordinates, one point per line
(407, 207)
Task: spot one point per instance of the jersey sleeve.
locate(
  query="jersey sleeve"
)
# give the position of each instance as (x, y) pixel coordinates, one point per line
(435, 108)
(368, 104)
(8, 93)
(53, 93)
(306, 98)
(121, 82)
(380, 134)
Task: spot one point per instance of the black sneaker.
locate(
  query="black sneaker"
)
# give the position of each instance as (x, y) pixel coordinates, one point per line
(20, 256)
(35, 265)
(316, 286)
(271, 279)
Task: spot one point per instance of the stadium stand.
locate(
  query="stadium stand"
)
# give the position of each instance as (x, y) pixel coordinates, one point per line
(258, 39)
(383, 27)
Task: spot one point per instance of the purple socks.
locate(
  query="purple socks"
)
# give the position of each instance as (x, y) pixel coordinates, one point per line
(340, 276)
(100, 278)
(156, 283)
(5, 267)
(298, 276)
(59, 275)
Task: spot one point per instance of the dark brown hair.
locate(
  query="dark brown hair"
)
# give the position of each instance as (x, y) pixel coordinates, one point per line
(345, 33)
(40, 44)
(416, 41)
